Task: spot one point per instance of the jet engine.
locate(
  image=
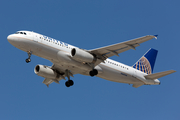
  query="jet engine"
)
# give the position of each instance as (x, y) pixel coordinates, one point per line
(46, 72)
(81, 55)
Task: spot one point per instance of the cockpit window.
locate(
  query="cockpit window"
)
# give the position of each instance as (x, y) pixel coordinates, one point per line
(20, 33)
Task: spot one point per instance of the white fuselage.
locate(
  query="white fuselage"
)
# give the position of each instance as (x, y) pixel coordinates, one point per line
(58, 52)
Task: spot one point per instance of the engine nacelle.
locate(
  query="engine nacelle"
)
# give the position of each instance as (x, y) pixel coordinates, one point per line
(81, 55)
(46, 72)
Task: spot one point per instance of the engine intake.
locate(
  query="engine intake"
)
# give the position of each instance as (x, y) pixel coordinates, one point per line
(45, 71)
(81, 55)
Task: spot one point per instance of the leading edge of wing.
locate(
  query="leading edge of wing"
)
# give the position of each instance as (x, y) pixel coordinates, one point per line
(115, 49)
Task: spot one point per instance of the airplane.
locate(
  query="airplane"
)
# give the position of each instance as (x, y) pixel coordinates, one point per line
(69, 60)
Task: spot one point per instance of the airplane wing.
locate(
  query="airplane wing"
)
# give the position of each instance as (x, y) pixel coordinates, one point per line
(61, 74)
(115, 49)
(47, 81)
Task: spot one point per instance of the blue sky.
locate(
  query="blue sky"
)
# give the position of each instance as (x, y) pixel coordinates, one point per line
(90, 24)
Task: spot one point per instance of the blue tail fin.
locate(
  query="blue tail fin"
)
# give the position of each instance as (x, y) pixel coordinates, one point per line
(147, 61)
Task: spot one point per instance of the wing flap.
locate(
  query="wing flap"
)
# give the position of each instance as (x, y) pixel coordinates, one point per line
(159, 75)
(137, 85)
(47, 81)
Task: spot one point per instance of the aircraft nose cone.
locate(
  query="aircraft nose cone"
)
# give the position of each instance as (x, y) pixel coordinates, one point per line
(10, 38)
(16, 41)
(13, 40)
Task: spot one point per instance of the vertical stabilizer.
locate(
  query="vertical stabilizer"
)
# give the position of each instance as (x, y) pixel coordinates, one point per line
(147, 61)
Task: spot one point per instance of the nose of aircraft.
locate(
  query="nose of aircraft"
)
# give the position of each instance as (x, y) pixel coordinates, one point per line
(10, 38)
(16, 41)
(13, 40)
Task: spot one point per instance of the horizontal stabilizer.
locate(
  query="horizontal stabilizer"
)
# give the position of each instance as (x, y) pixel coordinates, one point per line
(159, 75)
